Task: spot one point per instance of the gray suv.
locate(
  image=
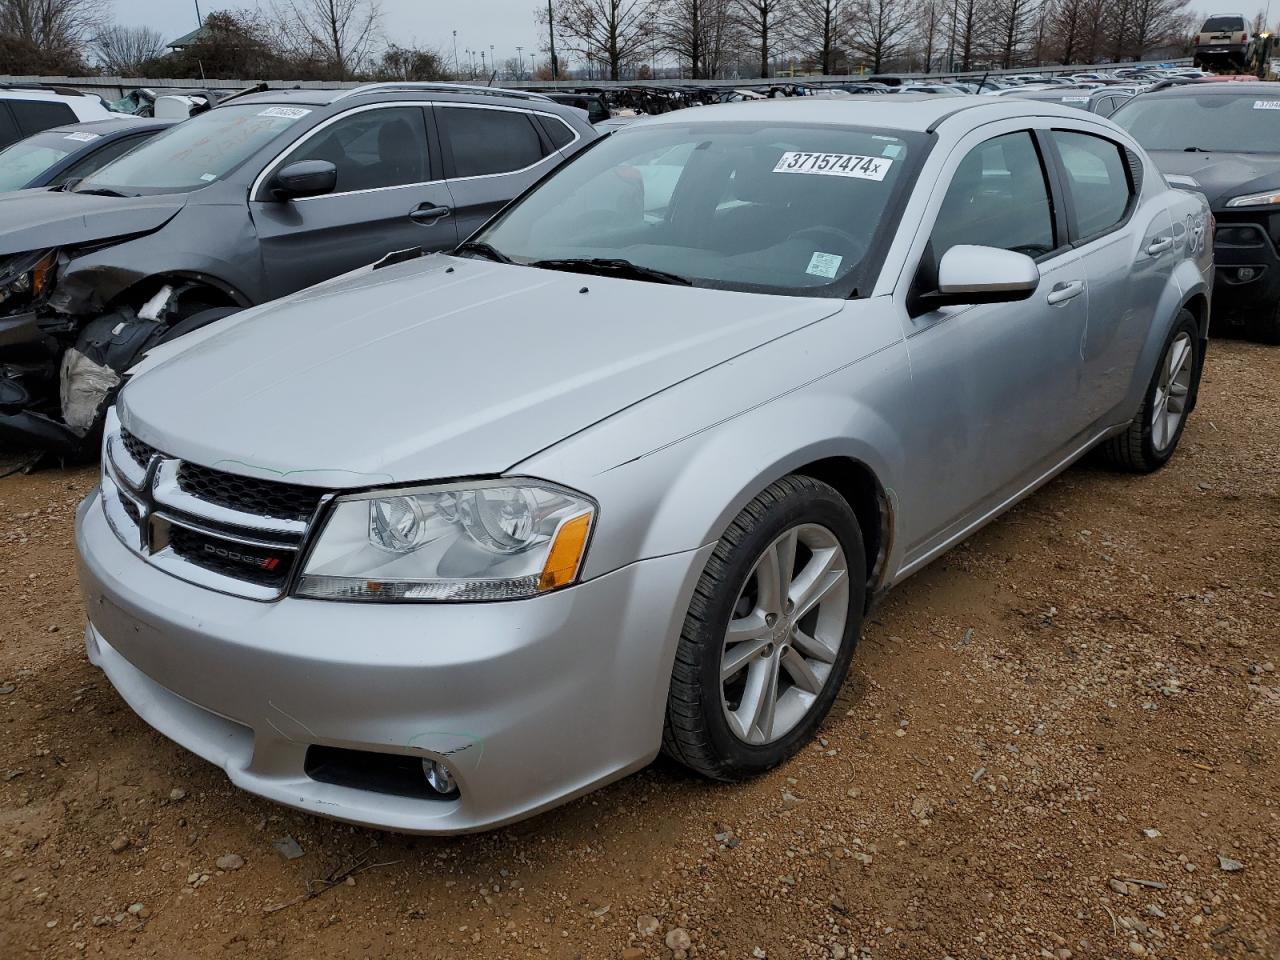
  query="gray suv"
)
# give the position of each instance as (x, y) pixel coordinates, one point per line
(262, 196)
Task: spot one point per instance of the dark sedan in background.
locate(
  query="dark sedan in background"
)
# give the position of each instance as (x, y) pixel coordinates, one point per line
(1223, 139)
(70, 153)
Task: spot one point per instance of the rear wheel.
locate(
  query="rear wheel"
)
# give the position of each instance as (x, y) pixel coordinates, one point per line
(1265, 328)
(1153, 435)
(769, 633)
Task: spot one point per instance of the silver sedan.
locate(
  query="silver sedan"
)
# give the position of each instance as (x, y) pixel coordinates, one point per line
(452, 539)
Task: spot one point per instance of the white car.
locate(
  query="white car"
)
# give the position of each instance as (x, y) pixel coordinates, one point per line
(25, 111)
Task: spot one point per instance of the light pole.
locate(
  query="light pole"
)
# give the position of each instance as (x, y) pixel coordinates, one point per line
(519, 64)
(199, 19)
(551, 30)
(493, 61)
(456, 69)
(483, 68)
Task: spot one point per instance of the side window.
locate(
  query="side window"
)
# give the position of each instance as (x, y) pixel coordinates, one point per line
(558, 131)
(36, 115)
(998, 197)
(1097, 180)
(100, 158)
(384, 147)
(9, 132)
(486, 142)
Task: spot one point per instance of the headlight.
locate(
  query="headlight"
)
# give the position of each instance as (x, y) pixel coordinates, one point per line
(29, 275)
(486, 540)
(1255, 200)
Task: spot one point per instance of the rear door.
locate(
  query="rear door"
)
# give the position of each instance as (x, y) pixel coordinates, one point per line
(1128, 253)
(492, 154)
(390, 195)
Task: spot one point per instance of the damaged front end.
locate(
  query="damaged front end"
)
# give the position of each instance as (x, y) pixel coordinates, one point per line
(60, 366)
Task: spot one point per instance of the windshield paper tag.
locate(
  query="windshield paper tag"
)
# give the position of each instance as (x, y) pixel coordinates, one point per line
(824, 265)
(285, 113)
(834, 165)
(1266, 104)
(1075, 99)
(82, 137)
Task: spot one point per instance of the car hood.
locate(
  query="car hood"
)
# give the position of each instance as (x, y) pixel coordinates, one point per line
(433, 369)
(1222, 176)
(39, 219)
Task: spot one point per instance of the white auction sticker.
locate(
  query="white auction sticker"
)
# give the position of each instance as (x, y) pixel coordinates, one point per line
(1075, 99)
(824, 265)
(284, 113)
(834, 165)
(1266, 104)
(82, 137)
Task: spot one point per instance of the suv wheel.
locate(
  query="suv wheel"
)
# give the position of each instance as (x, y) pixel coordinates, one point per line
(769, 633)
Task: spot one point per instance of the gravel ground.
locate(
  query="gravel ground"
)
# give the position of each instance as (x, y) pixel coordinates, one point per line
(1060, 740)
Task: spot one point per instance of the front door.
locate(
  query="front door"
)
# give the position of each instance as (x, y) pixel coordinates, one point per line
(390, 196)
(995, 382)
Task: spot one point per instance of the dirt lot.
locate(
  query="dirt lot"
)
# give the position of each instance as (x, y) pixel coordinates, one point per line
(1048, 743)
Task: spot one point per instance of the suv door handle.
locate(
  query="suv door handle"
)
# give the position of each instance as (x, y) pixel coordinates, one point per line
(1160, 245)
(1062, 292)
(429, 213)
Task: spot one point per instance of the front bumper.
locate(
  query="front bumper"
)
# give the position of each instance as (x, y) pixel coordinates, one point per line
(529, 702)
(1246, 267)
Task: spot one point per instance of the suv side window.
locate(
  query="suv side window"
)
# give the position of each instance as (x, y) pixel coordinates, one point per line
(9, 132)
(485, 142)
(559, 132)
(1097, 178)
(36, 115)
(998, 197)
(383, 147)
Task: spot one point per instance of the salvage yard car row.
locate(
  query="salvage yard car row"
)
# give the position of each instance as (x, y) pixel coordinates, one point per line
(621, 472)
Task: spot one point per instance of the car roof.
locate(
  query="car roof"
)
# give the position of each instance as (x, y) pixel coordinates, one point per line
(1239, 88)
(113, 125)
(920, 113)
(395, 91)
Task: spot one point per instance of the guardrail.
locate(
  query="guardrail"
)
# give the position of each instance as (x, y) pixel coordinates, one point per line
(112, 88)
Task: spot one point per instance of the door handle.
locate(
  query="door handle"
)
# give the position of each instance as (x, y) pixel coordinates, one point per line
(1160, 245)
(429, 213)
(1062, 292)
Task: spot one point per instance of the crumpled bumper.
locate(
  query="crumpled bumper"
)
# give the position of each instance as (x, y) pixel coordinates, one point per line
(529, 702)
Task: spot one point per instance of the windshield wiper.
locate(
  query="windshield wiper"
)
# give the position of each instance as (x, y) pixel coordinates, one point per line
(618, 267)
(103, 192)
(484, 249)
(1195, 150)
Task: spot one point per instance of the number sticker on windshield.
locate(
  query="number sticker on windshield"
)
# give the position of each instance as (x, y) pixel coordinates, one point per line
(834, 165)
(82, 137)
(824, 265)
(284, 113)
(1266, 104)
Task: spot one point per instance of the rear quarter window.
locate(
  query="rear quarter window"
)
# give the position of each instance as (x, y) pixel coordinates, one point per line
(1098, 180)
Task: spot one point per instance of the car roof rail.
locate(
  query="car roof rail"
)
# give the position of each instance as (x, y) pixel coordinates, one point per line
(44, 87)
(392, 86)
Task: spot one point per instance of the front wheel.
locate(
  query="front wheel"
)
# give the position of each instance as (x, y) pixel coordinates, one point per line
(1153, 435)
(769, 633)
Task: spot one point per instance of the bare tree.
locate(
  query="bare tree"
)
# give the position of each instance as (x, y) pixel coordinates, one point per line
(697, 32)
(762, 21)
(817, 27)
(123, 51)
(930, 23)
(411, 63)
(966, 23)
(342, 32)
(608, 32)
(57, 28)
(1010, 23)
(878, 29)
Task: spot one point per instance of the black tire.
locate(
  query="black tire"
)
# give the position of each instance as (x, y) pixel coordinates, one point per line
(1135, 450)
(197, 320)
(696, 732)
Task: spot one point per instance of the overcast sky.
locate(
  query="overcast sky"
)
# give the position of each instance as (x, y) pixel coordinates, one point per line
(426, 23)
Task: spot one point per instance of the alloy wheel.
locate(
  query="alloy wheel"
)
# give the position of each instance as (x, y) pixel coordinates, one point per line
(784, 634)
(1172, 389)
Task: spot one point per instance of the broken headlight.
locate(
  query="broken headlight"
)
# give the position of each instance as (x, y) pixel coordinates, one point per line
(27, 277)
(482, 540)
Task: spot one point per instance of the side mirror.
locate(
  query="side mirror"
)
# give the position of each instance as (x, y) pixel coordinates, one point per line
(971, 274)
(304, 178)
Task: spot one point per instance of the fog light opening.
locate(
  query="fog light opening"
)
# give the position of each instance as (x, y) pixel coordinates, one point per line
(439, 777)
(1245, 274)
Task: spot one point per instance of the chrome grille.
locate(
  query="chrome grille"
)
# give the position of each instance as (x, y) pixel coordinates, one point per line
(239, 535)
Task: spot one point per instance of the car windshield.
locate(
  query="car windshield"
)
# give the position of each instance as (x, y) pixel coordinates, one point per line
(25, 160)
(196, 152)
(782, 208)
(1234, 123)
